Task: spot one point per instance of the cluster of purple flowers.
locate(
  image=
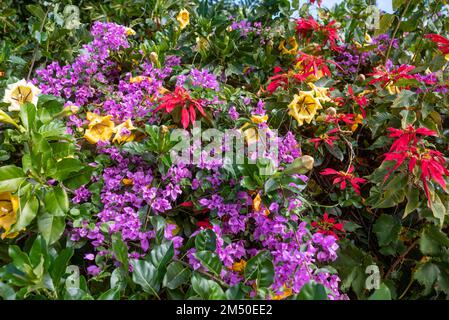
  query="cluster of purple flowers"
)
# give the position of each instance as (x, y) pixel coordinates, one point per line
(351, 60)
(246, 28)
(95, 77)
(199, 78)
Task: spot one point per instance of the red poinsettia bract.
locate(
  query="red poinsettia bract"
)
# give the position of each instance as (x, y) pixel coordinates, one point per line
(308, 27)
(342, 177)
(311, 65)
(204, 224)
(327, 138)
(442, 42)
(431, 163)
(328, 226)
(389, 76)
(181, 98)
(362, 101)
(282, 79)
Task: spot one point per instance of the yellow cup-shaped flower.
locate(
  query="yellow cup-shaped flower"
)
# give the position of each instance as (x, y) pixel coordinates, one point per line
(239, 266)
(292, 43)
(358, 120)
(130, 31)
(99, 128)
(9, 205)
(320, 93)
(20, 93)
(304, 107)
(123, 132)
(392, 89)
(259, 119)
(251, 134)
(287, 292)
(138, 79)
(183, 18)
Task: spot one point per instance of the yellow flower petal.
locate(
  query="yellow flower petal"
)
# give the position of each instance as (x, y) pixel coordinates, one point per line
(183, 18)
(99, 129)
(120, 135)
(304, 107)
(9, 205)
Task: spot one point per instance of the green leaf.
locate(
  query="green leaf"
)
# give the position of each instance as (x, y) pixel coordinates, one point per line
(59, 266)
(408, 117)
(405, 98)
(312, 291)
(20, 260)
(438, 208)
(51, 227)
(427, 274)
(433, 242)
(27, 211)
(10, 178)
(260, 268)
(383, 293)
(28, 116)
(412, 200)
(271, 185)
(36, 11)
(67, 168)
(56, 201)
(38, 250)
(145, 275)
(160, 256)
(177, 274)
(205, 240)
(387, 229)
(120, 250)
(335, 151)
(111, 294)
(118, 278)
(7, 292)
(206, 289)
(210, 261)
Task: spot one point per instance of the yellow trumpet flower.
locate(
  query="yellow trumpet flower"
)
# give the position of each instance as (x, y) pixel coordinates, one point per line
(304, 107)
(292, 43)
(99, 129)
(239, 266)
(20, 93)
(9, 205)
(183, 18)
(251, 134)
(123, 132)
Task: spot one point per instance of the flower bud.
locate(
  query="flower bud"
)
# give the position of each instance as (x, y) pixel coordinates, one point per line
(154, 57)
(361, 77)
(331, 111)
(164, 129)
(300, 165)
(71, 109)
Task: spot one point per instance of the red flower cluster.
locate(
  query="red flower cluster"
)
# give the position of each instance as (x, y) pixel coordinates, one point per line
(181, 98)
(308, 27)
(442, 42)
(313, 65)
(327, 138)
(343, 177)
(347, 118)
(430, 162)
(388, 77)
(328, 226)
(204, 224)
(362, 101)
(281, 79)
